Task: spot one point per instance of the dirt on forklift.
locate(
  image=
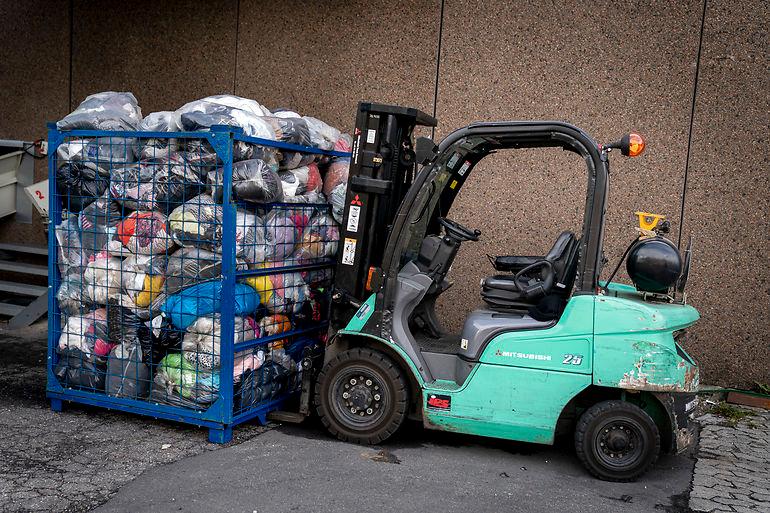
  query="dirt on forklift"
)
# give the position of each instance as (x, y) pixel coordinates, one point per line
(551, 350)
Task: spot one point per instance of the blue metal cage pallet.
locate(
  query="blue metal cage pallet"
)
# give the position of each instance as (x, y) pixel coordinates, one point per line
(243, 335)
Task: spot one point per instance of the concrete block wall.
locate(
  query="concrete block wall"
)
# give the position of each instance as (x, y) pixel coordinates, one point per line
(605, 69)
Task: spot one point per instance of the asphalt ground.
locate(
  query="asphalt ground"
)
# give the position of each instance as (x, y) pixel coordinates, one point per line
(86, 458)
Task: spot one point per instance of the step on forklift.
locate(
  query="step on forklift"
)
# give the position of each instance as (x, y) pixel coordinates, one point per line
(553, 350)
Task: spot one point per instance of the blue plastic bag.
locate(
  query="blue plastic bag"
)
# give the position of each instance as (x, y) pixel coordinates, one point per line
(204, 299)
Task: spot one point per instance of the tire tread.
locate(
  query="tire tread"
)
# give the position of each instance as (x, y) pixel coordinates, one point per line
(401, 398)
(582, 428)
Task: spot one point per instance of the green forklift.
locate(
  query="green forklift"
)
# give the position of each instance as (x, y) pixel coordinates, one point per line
(552, 351)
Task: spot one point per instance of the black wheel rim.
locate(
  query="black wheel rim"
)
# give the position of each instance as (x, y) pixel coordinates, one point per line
(359, 398)
(619, 443)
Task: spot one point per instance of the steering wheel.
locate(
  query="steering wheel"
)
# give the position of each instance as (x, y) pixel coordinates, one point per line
(460, 232)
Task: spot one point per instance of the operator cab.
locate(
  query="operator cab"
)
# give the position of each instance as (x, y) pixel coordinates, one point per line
(519, 293)
(527, 292)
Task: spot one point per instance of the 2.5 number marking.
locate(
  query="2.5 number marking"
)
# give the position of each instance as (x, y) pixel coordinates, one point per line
(572, 359)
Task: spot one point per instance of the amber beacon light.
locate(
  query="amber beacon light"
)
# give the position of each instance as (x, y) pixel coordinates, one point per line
(630, 145)
(635, 145)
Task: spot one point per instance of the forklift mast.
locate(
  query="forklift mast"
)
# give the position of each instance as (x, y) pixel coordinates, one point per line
(382, 168)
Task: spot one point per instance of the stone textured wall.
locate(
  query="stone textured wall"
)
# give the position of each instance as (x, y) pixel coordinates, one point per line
(605, 69)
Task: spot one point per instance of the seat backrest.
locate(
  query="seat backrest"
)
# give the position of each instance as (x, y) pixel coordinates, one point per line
(563, 256)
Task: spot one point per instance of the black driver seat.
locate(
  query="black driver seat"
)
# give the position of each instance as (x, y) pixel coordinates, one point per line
(532, 278)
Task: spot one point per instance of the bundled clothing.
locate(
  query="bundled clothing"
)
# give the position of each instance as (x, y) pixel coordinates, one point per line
(140, 248)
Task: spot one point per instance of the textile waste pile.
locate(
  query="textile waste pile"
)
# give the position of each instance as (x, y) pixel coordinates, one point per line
(145, 249)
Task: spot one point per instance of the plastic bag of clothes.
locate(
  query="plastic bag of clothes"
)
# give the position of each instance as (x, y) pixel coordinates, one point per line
(142, 233)
(280, 293)
(80, 370)
(70, 249)
(87, 333)
(125, 327)
(82, 348)
(142, 278)
(253, 180)
(201, 115)
(97, 223)
(283, 231)
(249, 237)
(164, 339)
(104, 111)
(245, 361)
(294, 159)
(318, 277)
(315, 309)
(204, 299)
(162, 184)
(274, 324)
(320, 239)
(157, 147)
(127, 374)
(302, 180)
(225, 110)
(307, 198)
(102, 279)
(336, 174)
(337, 200)
(197, 222)
(201, 342)
(344, 143)
(270, 325)
(179, 383)
(322, 136)
(79, 184)
(106, 151)
(70, 293)
(190, 266)
(263, 385)
(292, 130)
(203, 157)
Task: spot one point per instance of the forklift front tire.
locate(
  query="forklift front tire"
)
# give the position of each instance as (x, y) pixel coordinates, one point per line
(361, 396)
(617, 441)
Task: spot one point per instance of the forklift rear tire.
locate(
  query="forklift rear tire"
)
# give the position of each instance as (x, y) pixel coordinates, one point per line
(617, 441)
(361, 396)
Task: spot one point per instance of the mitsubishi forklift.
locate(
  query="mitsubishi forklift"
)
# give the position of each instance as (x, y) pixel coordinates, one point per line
(550, 350)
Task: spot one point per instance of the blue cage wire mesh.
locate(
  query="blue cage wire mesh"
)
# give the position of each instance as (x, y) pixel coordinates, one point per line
(190, 272)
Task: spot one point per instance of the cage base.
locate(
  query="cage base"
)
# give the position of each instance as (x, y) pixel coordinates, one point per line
(218, 433)
(221, 435)
(57, 404)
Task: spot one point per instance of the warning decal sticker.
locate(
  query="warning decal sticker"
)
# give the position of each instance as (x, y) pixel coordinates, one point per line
(370, 136)
(353, 216)
(349, 252)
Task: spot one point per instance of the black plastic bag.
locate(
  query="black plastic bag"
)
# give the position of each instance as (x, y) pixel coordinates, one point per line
(80, 184)
(165, 339)
(127, 375)
(262, 385)
(80, 370)
(125, 327)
